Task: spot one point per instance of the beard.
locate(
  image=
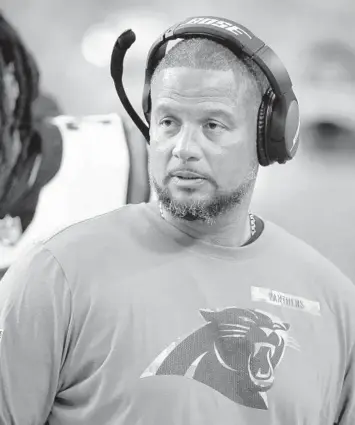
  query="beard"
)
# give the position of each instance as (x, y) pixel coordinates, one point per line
(206, 210)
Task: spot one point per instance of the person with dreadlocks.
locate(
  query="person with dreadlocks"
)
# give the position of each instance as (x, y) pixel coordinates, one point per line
(19, 149)
(56, 169)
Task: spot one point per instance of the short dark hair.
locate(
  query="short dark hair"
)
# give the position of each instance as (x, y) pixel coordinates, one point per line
(203, 53)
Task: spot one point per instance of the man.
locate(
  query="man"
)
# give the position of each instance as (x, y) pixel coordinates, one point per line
(189, 310)
(56, 169)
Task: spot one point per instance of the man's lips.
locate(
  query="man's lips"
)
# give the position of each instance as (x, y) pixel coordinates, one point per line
(184, 174)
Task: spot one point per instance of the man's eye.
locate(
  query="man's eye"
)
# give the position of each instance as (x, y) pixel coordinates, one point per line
(214, 126)
(167, 122)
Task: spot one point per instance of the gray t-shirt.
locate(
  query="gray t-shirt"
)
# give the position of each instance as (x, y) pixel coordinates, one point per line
(124, 320)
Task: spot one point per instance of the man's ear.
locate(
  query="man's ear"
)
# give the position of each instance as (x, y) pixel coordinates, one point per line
(138, 181)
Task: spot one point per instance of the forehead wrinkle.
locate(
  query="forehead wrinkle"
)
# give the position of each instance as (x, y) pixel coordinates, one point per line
(175, 95)
(222, 105)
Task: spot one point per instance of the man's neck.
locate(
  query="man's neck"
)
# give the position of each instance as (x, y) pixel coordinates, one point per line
(232, 229)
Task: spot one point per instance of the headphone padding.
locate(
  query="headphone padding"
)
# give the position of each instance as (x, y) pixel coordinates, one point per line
(260, 137)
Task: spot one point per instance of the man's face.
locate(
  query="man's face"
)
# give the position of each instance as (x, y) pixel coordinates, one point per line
(203, 157)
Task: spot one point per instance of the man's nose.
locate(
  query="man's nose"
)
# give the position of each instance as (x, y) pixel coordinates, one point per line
(187, 144)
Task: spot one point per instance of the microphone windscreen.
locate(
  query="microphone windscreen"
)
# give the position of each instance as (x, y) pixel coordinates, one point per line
(126, 39)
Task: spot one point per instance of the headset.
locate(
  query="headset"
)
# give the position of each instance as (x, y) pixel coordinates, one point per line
(278, 122)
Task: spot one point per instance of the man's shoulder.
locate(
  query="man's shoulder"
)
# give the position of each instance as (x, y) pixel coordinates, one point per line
(299, 253)
(111, 226)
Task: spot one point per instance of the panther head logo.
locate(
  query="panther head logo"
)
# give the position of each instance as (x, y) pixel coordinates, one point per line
(236, 353)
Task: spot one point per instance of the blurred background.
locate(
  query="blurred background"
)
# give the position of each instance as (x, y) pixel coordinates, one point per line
(313, 197)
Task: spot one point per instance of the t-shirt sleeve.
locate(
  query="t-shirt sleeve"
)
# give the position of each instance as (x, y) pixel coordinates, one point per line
(35, 316)
(346, 407)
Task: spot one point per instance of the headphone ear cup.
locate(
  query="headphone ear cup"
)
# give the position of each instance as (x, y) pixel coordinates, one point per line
(260, 142)
(260, 136)
(263, 124)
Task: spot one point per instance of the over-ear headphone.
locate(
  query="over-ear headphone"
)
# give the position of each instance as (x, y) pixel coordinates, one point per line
(278, 122)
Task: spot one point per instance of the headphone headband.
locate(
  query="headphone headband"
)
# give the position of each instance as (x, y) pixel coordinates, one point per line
(233, 36)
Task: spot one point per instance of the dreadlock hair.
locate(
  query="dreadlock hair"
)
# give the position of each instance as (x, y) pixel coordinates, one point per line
(14, 53)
